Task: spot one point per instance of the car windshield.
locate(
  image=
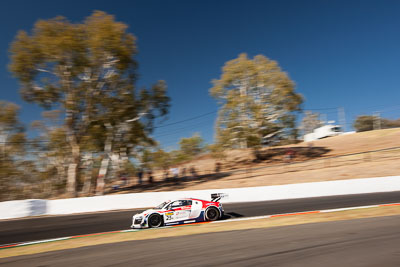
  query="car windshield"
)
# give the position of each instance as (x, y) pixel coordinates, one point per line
(162, 205)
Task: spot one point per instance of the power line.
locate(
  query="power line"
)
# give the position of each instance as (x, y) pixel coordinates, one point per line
(27, 142)
(193, 118)
(177, 130)
(173, 123)
(319, 108)
(375, 106)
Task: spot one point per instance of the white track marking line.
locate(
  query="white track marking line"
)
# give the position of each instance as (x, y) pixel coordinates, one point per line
(225, 221)
(352, 208)
(46, 240)
(130, 230)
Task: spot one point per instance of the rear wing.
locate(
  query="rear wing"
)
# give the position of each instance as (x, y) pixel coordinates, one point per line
(217, 196)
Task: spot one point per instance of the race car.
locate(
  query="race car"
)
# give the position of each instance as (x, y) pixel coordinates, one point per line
(181, 211)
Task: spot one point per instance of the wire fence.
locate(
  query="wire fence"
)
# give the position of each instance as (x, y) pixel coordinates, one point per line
(324, 162)
(160, 181)
(293, 165)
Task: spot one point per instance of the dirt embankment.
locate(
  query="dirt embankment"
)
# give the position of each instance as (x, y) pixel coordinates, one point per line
(311, 162)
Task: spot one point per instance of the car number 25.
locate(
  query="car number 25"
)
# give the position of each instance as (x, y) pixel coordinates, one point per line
(169, 216)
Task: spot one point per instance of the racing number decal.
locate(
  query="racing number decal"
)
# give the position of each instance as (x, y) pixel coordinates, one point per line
(177, 215)
(168, 216)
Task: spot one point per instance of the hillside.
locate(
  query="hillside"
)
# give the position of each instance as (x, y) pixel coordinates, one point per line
(320, 160)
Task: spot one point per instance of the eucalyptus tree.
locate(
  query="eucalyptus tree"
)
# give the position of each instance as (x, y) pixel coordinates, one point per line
(52, 149)
(126, 134)
(12, 147)
(161, 159)
(88, 71)
(192, 146)
(257, 99)
(310, 122)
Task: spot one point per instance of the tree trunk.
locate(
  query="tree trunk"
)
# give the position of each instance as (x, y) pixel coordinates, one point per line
(116, 165)
(88, 176)
(71, 179)
(60, 172)
(102, 175)
(104, 162)
(73, 170)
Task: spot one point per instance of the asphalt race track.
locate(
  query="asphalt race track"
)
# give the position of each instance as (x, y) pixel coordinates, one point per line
(361, 242)
(13, 231)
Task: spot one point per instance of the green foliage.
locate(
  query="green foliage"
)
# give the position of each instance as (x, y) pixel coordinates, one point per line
(216, 151)
(162, 159)
(257, 99)
(191, 146)
(52, 134)
(364, 123)
(12, 133)
(12, 147)
(367, 123)
(53, 150)
(129, 168)
(178, 157)
(390, 123)
(88, 71)
(146, 159)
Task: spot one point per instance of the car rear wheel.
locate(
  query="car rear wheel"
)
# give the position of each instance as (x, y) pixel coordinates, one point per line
(155, 221)
(212, 214)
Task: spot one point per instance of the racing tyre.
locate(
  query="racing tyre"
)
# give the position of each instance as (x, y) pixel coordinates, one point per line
(155, 221)
(212, 214)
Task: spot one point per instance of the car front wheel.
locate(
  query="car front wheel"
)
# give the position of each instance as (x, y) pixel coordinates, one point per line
(155, 221)
(212, 214)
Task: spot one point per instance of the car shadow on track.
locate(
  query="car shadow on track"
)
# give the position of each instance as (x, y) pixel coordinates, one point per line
(231, 215)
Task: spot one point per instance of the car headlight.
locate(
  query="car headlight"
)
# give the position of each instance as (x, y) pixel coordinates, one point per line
(138, 220)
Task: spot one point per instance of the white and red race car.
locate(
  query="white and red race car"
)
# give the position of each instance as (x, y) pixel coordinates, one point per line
(181, 211)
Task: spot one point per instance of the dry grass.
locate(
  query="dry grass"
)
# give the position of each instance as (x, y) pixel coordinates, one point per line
(305, 170)
(201, 229)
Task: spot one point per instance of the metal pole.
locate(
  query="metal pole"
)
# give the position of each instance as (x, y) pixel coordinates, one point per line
(342, 118)
(324, 118)
(377, 120)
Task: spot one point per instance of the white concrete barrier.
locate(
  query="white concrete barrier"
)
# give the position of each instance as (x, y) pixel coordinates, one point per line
(22, 208)
(14, 209)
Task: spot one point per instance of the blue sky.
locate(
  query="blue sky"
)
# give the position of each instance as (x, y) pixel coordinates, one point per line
(339, 53)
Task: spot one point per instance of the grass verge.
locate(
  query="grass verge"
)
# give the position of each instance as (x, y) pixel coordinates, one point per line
(201, 229)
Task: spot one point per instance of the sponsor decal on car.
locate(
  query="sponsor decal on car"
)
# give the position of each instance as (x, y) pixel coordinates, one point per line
(181, 214)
